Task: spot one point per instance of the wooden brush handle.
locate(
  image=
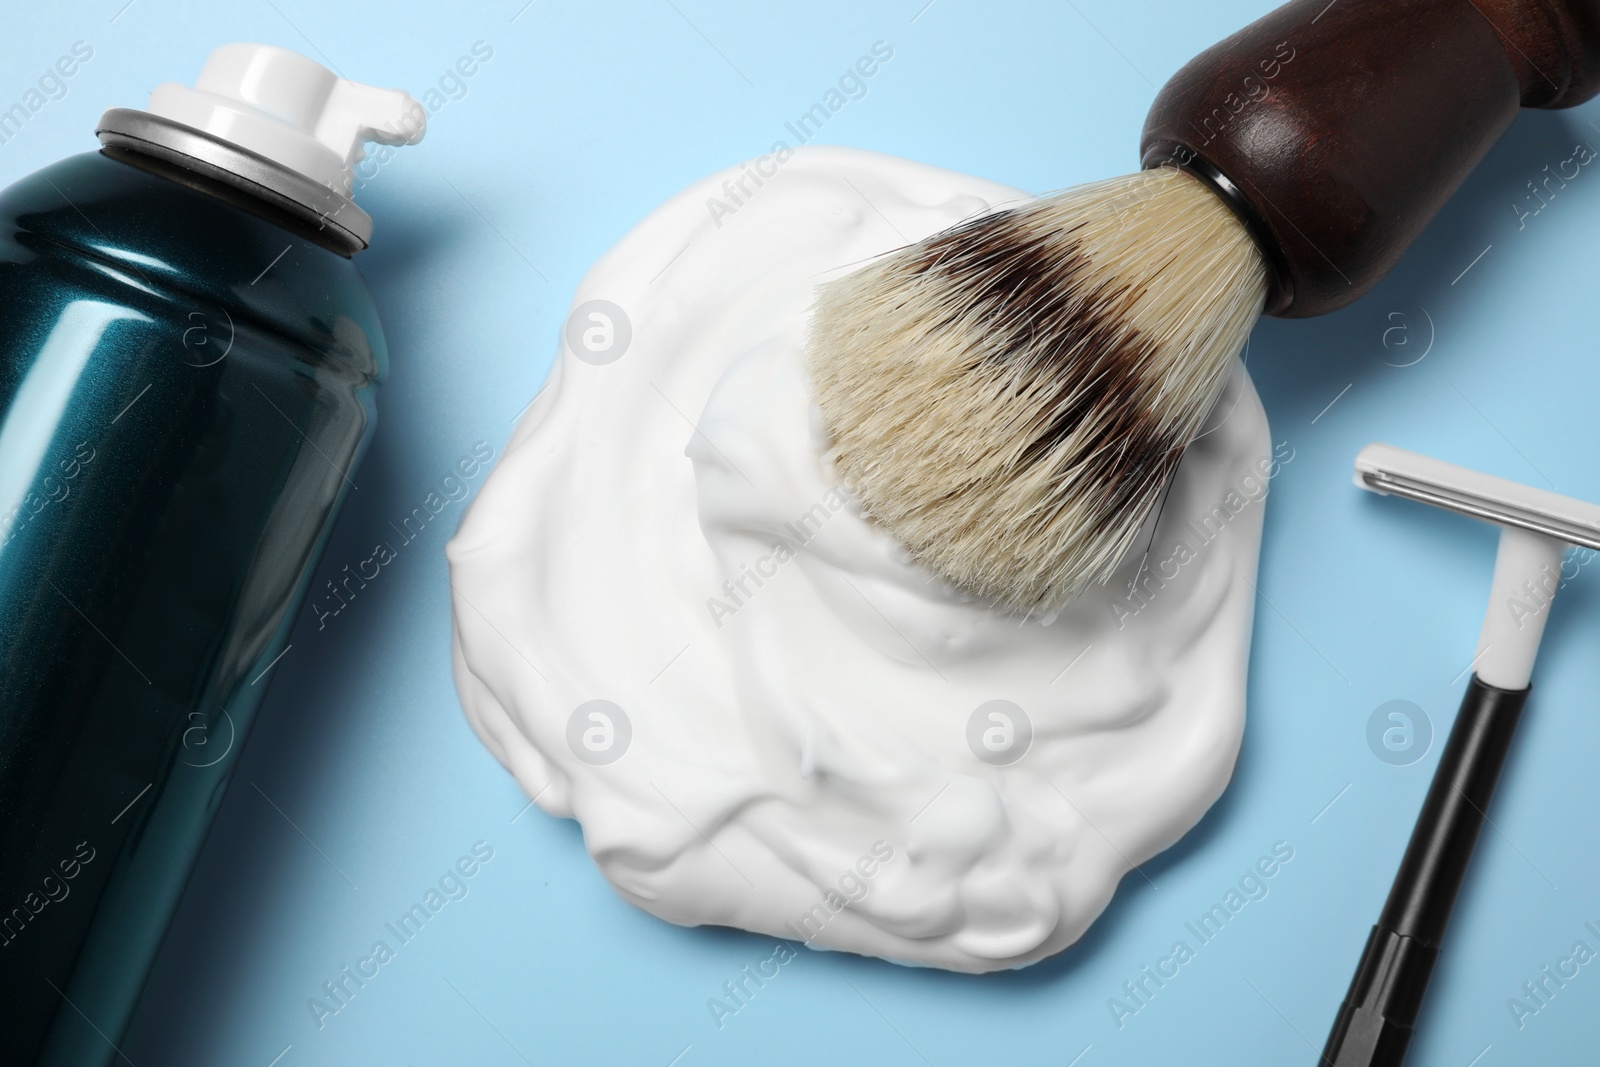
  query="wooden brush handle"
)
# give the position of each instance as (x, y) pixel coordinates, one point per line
(1337, 130)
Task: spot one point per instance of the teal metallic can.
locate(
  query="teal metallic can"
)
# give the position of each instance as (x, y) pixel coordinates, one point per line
(188, 363)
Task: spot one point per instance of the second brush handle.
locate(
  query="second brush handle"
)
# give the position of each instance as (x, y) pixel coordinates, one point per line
(1374, 1025)
(1338, 129)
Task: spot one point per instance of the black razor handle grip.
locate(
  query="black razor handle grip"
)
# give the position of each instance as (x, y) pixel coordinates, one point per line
(1375, 1022)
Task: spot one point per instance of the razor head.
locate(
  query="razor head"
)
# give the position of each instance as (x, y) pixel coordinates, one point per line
(1396, 472)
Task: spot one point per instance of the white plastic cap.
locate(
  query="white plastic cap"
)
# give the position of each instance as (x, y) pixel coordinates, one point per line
(292, 110)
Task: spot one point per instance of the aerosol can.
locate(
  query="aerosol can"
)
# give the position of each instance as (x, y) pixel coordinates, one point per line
(188, 361)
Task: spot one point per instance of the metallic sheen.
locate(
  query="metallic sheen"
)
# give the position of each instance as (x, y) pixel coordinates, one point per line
(187, 378)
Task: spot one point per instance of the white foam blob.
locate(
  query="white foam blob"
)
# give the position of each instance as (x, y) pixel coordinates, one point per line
(784, 691)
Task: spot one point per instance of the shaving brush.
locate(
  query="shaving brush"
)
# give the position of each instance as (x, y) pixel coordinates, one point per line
(1009, 398)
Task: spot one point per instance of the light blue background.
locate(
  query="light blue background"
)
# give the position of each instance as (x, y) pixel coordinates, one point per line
(589, 114)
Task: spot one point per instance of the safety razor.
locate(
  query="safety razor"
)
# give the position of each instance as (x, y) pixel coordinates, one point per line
(1376, 1021)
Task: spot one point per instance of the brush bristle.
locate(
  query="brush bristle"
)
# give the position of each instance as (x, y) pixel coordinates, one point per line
(1009, 398)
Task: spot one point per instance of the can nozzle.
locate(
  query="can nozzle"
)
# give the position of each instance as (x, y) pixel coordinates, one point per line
(292, 110)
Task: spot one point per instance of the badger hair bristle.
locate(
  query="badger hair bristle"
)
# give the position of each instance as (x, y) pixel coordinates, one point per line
(1008, 398)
